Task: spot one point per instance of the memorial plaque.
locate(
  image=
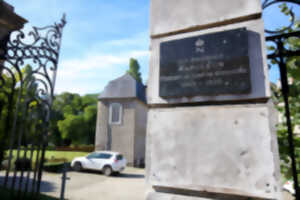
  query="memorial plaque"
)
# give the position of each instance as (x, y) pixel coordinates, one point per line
(205, 65)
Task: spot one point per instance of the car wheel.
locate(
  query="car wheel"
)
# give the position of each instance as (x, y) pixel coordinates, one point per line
(77, 166)
(107, 171)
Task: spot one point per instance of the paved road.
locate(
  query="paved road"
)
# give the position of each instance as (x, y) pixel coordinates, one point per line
(129, 185)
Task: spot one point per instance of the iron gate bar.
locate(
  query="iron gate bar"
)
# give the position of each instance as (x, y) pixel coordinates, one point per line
(10, 104)
(284, 52)
(12, 138)
(278, 57)
(25, 149)
(42, 52)
(31, 157)
(58, 29)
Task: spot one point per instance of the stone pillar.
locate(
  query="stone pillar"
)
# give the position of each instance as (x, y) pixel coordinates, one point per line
(211, 127)
(9, 21)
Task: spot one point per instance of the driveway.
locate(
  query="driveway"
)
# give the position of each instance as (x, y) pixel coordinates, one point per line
(129, 185)
(95, 186)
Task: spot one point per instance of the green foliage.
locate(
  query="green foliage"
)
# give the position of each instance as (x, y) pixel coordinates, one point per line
(90, 117)
(72, 127)
(134, 69)
(73, 119)
(51, 157)
(10, 91)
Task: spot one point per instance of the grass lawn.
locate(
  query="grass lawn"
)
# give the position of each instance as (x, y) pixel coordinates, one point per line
(52, 156)
(5, 194)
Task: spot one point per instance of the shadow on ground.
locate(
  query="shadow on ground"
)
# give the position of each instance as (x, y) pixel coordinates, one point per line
(128, 175)
(120, 175)
(45, 185)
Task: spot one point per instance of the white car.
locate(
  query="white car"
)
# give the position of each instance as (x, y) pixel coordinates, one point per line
(106, 161)
(289, 186)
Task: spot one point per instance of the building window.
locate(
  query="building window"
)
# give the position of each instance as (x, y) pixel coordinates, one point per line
(115, 113)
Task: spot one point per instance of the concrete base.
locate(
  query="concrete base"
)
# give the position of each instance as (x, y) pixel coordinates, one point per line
(229, 150)
(169, 16)
(164, 196)
(168, 196)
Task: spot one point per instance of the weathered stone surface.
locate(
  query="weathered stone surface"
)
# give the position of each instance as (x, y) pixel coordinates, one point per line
(218, 149)
(257, 61)
(101, 136)
(140, 133)
(169, 16)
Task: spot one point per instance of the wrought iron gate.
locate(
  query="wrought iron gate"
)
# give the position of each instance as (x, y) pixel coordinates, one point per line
(27, 80)
(280, 55)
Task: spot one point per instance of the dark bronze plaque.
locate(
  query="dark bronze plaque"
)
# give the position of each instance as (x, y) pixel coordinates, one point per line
(206, 65)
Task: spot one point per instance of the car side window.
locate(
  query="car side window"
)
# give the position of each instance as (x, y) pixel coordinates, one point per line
(99, 156)
(104, 156)
(119, 157)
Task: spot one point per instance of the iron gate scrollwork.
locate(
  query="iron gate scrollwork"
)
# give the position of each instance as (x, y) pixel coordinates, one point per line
(279, 56)
(27, 82)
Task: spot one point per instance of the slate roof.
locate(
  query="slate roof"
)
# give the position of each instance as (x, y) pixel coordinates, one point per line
(124, 87)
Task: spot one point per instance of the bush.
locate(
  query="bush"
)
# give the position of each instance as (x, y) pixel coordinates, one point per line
(23, 164)
(4, 165)
(51, 147)
(55, 160)
(82, 148)
(56, 168)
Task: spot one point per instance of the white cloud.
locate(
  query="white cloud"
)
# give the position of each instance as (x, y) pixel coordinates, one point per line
(76, 67)
(90, 73)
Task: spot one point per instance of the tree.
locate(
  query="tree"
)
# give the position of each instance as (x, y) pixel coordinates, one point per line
(134, 69)
(90, 118)
(73, 127)
(73, 119)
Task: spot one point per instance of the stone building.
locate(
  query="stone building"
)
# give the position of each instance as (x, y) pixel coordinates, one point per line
(122, 119)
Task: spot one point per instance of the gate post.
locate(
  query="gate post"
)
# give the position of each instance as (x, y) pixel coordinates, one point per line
(211, 124)
(9, 21)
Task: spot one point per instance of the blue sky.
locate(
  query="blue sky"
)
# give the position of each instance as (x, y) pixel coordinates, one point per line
(100, 37)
